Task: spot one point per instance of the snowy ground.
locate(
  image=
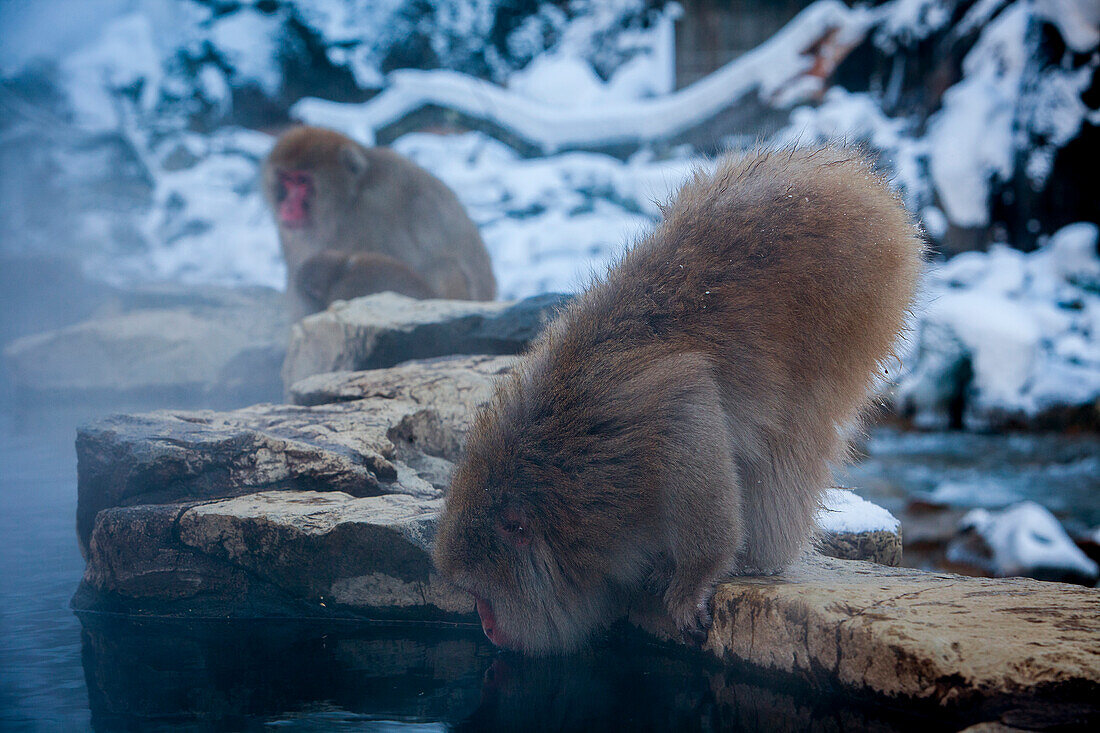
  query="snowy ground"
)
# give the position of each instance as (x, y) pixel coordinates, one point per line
(1023, 539)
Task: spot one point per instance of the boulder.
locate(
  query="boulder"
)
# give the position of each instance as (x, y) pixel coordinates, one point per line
(216, 344)
(271, 554)
(902, 633)
(284, 553)
(450, 384)
(1023, 539)
(385, 329)
(399, 438)
(852, 528)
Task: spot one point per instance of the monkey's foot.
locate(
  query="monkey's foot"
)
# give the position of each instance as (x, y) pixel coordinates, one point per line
(693, 618)
(696, 631)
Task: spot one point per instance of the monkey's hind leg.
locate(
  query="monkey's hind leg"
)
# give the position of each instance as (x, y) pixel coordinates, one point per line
(337, 275)
(702, 505)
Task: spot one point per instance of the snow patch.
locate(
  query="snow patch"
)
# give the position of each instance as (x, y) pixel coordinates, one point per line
(844, 512)
(1028, 323)
(1026, 537)
(971, 138)
(1078, 21)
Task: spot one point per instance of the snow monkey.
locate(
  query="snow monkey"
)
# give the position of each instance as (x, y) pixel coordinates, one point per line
(355, 220)
(676, 422)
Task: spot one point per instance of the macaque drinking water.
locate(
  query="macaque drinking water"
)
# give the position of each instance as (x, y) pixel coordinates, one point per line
(676, 423)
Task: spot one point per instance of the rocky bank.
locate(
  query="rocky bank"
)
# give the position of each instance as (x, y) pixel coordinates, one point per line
(325, 509)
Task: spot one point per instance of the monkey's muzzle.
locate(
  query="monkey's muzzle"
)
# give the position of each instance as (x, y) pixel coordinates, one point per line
(489, 622)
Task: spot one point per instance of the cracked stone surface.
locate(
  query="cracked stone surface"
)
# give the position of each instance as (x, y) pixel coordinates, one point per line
(905, 633)
(398, 438)
(385, 329)
(285, 553)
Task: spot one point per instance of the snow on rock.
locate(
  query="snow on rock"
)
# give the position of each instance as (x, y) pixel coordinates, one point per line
(125, 55)
(248, 41)
(1024, 539)
(549, 223)
(558, 79)
(971, 138)
(1003, 338)
(1073, 255)
(1006, 103)
(1027, 324)
(1078, 21)
(209, 223)
(777, 69)
(845, 512)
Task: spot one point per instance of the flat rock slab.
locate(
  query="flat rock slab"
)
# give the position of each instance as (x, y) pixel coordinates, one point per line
(211, 343)
(399, 438)
(273, 553)
(385, 329)
(908, 633)
(288, 554)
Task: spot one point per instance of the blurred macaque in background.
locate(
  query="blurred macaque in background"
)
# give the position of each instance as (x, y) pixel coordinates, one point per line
(355, 220)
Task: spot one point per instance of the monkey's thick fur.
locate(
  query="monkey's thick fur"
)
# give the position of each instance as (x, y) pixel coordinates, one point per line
(377, 221)
(676, 422)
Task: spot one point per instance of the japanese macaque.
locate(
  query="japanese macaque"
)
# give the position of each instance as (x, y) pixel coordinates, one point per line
(676, 423)
(355, 220)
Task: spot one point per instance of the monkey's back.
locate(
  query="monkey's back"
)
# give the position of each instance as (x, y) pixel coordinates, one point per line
(409, 214)
(791, 272)
(791, 269)
(677, 420)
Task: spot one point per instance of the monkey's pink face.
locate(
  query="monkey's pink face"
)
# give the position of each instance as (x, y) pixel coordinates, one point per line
(294, 194)
(523, 596)
(514, 530)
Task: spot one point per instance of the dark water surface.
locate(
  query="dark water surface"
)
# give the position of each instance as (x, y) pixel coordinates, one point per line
(967, 470)
(60, 672)
(41, 679)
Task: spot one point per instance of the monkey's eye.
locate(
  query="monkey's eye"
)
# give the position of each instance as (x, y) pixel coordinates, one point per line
(513, 526)
(295, 180)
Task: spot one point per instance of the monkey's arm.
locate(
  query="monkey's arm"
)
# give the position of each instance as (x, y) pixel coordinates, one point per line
(337, 275)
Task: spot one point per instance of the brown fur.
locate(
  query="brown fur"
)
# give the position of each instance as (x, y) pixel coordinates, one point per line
(676, 423)
(337, 275)
(373, 202)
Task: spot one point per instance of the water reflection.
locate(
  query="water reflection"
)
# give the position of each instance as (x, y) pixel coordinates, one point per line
(172, 675)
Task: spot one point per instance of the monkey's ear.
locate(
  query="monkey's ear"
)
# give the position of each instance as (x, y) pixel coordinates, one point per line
(514, 525)
(354, 159)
